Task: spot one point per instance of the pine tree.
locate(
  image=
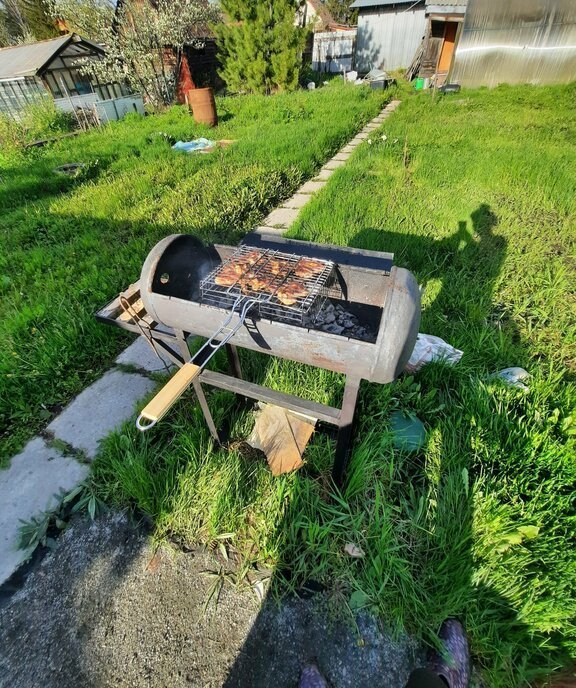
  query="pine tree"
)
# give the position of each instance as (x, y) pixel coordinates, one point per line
(260, 46)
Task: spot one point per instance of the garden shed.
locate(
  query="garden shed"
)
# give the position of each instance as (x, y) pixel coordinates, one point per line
(389, 33)
(434, 59)
(53, 68)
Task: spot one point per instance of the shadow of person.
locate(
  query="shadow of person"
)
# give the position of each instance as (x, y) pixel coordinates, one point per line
(457, 273)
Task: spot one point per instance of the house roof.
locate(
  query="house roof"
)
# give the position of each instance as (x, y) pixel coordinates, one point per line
(27, 60)
(375, 3)
(446, 7)
(327, 21)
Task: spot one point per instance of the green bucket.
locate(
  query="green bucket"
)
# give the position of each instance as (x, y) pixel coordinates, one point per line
(419, 84)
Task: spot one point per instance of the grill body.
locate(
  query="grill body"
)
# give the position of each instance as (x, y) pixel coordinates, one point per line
(367, 280)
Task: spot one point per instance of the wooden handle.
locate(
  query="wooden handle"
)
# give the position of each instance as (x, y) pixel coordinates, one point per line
(171, 392)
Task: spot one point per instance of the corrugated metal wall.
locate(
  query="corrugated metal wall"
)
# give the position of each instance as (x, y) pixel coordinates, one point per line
(516, 41)
(389, 36)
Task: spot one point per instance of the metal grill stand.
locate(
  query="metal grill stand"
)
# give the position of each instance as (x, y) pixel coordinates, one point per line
(172, 306)
(342, 418)
(173, 343)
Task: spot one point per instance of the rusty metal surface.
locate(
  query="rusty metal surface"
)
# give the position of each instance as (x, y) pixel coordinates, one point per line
(518, 41)
(395, 291)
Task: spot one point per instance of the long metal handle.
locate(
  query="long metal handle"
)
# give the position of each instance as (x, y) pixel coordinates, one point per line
(156, 409)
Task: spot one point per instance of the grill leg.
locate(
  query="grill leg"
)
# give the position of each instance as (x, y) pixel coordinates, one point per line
(234, 361)
(346, 426)
(206, 411)
(183, 344)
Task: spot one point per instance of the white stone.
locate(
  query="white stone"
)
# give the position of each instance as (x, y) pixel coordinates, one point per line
(100, 409)
(269, 230)
(311, 187)
(27, 489)
(298, 200)
(333, 164)
(324, 175)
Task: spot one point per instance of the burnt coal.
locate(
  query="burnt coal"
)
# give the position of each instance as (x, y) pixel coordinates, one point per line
(333, 317)
(330, 315)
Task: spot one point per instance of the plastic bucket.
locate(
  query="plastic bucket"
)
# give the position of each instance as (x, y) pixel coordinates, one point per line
(201, 102)
(419, 83)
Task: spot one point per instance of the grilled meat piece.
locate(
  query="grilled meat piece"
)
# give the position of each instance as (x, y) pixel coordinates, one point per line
(253, 283)
(289, 293)
(226, 277)
(308, 268)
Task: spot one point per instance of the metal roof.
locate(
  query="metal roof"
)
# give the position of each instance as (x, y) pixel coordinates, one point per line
(26, 60)
(18, 61)
(448, 3)
(376, 3)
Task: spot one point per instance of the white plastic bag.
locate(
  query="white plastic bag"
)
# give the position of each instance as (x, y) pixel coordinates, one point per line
(430, 348)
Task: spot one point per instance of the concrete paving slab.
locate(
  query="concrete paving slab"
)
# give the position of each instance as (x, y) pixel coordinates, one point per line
(311, 187)
(324, 175)
(296, 201)
(281, 217)
(100, 409)
(349, 148)
(363, 135)
(333, 164)
(27, 489)
(371, 127)
(269, 230)
(140, 355)
(342, 156)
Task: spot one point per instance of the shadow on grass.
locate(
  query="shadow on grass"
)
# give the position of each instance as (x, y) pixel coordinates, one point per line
(430, 497)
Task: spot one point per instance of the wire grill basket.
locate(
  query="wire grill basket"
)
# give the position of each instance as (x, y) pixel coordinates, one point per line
(283, 286)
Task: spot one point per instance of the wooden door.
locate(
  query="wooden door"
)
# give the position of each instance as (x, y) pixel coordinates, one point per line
(447, 47)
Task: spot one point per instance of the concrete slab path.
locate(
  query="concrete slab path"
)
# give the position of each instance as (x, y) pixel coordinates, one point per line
(99, 410)
(29, 487)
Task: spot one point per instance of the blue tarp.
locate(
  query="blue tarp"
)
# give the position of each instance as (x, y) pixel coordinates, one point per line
(191, 146)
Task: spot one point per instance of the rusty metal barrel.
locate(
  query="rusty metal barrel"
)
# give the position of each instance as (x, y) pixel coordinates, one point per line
(201, 102)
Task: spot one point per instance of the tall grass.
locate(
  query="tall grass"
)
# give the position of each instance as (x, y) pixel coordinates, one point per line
(475, 194)
(70, 245)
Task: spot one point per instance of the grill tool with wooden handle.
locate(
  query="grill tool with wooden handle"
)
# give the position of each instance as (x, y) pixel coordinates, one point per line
(156, 409)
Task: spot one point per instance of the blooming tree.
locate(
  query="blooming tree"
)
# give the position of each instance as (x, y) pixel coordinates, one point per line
(144, 41)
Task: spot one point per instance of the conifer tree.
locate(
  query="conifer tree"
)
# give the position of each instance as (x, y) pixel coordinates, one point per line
(260, 45)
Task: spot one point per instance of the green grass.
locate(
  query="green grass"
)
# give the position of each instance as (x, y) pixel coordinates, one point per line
(475, 193)
(70, 245)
